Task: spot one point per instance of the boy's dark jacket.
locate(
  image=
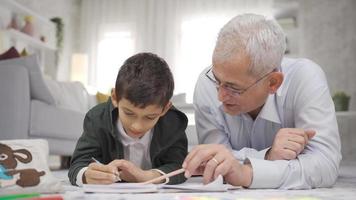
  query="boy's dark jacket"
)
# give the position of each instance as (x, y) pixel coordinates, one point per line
(100, 140)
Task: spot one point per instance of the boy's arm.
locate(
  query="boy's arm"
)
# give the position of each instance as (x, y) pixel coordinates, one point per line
(87, 146)
(174, 157)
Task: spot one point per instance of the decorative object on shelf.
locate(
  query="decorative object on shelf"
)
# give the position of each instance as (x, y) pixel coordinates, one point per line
(24, 52)
(341, 101)
(59, 32)
(9, 54)
(28, 28)
(43, 38)
(13, 22)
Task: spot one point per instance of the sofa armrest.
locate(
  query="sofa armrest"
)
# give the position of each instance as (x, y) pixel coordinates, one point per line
(14, 101)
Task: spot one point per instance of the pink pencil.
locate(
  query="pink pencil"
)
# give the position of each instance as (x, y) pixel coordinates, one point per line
(176, 172)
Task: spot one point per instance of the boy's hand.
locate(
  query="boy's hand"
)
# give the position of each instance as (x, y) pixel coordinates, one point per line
(101, 174)
(131, 173)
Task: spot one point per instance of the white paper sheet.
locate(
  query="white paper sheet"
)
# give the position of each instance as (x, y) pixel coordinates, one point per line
(120, 188)
(216, 186)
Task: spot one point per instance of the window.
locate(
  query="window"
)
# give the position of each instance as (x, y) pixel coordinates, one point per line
(113, 49)
(198, 38)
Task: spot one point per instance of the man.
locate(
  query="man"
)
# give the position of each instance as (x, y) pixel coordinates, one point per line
(272, 121)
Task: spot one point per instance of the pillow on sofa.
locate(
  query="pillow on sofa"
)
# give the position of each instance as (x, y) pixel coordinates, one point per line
(101, 97)
(9, 54)
(24, 167)
(70, 94)
(38, 88)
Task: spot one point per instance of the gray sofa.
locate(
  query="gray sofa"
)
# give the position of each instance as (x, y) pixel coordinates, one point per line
(34, 107)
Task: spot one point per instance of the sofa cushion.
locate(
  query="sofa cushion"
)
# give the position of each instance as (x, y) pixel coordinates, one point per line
(38, 88)
(48, 121)
(14, 102)
(69, 95)
(24, 168)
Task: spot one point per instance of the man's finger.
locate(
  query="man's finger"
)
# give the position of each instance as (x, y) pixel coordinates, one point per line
(199, 157)
(297, 138)
(310, 133)
(288, 154)
(190, 156)
(300, 133)
(294, 146)
(223, 168)
(209, 170)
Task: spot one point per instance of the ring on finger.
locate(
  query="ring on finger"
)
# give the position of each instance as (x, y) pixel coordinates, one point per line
(216, 161)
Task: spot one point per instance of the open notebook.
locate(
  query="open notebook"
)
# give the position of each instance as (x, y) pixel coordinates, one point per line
(189, 186)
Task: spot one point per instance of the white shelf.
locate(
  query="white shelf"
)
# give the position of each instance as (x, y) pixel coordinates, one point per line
(345, 113)
(20, 9)
(33, 42)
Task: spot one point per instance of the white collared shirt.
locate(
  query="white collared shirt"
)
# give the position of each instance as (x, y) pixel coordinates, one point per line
(302, 101)
(136, 150)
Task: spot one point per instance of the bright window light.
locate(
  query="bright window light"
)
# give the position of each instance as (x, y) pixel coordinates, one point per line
(198, 38)
(113, 50)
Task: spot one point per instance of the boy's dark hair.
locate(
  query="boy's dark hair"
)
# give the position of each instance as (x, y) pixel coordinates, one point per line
(145, 79)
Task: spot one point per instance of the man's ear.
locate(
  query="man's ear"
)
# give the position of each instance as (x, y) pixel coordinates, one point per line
(275, 81)
(166, 108)
(114, 98)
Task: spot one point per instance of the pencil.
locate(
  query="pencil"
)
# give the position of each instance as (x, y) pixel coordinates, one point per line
(19, 196)
(173, 173)
(116, 174)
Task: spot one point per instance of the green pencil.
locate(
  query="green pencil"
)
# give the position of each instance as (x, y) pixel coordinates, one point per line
(19, 196)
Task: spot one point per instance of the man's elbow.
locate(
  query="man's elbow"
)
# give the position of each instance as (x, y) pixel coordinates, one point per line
(324, 174)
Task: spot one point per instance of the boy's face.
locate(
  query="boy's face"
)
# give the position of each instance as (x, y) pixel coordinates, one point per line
(137, 121)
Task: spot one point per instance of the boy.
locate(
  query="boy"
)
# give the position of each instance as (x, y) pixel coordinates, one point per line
(136, 135)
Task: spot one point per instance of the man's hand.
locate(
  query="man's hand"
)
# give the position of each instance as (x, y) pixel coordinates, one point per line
(131, 173)
(101, 174)
(212, 160)
(289, 143)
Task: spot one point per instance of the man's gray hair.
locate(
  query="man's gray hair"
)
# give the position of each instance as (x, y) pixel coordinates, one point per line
(263, 40)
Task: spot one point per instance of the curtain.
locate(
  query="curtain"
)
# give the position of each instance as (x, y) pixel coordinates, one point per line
(183, 32)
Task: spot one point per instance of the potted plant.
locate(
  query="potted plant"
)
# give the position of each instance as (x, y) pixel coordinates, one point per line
(341, 101)
(59, 31)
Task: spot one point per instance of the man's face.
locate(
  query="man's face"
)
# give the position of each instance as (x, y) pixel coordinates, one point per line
(137, 121)
(234, 74)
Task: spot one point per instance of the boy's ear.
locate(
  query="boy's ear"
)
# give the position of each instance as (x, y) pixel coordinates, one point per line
(114, 98)
(275, 82)
(166, 108)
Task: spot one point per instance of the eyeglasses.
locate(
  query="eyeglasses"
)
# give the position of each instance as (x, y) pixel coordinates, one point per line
(230, 89)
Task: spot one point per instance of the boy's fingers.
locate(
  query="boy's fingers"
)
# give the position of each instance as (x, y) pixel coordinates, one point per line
(121, 164)
(99, 175)
(103, 168)
(98, 181)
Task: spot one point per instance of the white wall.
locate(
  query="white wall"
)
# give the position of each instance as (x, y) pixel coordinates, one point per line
(327, 36)
(68, 10)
